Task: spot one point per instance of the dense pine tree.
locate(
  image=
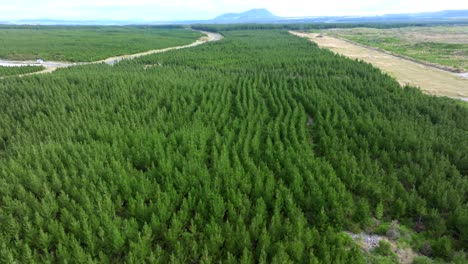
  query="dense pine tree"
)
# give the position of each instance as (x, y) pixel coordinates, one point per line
(258, 148)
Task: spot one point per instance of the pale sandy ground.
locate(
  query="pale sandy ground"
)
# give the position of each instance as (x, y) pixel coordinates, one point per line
(430, 80)
(51, 66)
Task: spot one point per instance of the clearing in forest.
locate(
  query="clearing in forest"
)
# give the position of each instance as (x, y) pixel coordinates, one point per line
(428, 79)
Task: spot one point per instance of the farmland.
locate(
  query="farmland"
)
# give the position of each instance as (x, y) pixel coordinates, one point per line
(85, 44)
(442, 45)
(259, 148)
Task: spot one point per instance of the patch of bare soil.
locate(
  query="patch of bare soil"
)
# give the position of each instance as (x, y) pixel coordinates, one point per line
(369, 242)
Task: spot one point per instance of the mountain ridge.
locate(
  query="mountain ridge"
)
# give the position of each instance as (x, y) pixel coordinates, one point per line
(252, 15)
(262, 15)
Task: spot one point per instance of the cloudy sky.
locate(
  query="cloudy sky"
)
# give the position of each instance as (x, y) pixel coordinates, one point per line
(207, 9)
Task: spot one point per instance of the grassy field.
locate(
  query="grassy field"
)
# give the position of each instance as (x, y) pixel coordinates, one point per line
(81, 44)
(447, 46)
(9, 71)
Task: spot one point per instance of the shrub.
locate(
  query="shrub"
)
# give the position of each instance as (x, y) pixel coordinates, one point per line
(393, 232)
(443, 248)
(422, 260)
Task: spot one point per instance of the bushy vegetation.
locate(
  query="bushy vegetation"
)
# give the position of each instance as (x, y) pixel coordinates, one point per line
(260, 148)
(383, 254)
(86, 43)
(9, 71)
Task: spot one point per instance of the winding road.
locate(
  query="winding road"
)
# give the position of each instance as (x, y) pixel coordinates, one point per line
(51, 66)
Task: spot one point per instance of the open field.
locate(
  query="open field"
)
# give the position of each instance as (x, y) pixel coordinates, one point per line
(442, 45)
(260, 148)
(429, 79)
(10, 71)
(83, 44)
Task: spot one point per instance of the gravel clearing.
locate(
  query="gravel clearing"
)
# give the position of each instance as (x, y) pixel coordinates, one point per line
(369, 242)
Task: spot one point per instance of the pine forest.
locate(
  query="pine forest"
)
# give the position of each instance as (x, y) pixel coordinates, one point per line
(259, 148)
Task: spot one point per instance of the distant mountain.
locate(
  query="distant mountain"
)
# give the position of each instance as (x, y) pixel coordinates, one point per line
(254, 15)
(444, 14)
(440, 16)
(264, 16)
(47, 21)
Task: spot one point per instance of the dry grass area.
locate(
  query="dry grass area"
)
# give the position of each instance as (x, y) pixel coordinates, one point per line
(431, 80)
(439, 34)
(442, 45)
(447, 34)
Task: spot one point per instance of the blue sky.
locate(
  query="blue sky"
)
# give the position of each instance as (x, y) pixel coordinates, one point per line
(151, 10)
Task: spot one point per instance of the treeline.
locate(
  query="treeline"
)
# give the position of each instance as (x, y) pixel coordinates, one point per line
(261, 148)
(9, 71)
(308, 26)
(80, 27)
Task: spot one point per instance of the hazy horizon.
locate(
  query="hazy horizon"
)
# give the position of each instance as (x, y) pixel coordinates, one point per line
(157, 10)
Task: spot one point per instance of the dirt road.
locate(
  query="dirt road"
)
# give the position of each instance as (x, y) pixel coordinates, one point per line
(430, 80)
(51, 66)
(208, 38)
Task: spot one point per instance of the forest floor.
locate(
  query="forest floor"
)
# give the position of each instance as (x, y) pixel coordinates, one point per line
(429, 79)
(51, 66)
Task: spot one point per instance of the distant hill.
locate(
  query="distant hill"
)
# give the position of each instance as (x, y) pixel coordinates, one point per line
(262, 15)
(440, 16)
(444, 14)
(265, 16)
(254, 15)
(47, 21)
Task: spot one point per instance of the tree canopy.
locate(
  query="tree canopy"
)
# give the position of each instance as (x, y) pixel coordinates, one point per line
(260, 148)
